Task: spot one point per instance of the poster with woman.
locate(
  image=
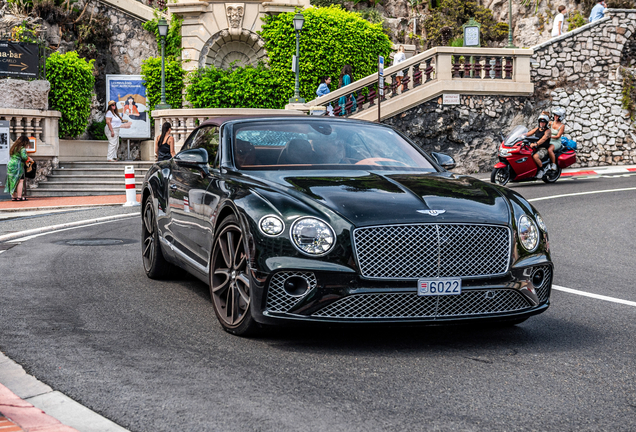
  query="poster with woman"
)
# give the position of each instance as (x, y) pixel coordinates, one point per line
(129, 92)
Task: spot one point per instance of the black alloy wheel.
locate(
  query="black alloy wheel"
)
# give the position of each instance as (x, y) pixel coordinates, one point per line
(155, 264)
(552, 175)
(500, 176)
(230, 286)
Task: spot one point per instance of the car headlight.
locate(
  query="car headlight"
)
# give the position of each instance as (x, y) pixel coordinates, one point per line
(312, 236)
(271, 225)
(541, 224)
(528, 233)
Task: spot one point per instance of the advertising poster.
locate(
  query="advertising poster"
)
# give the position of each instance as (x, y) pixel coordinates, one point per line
(129, 92)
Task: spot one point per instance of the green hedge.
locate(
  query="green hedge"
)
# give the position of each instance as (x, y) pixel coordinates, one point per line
(72, 82)
(248, 87)
(151, 72)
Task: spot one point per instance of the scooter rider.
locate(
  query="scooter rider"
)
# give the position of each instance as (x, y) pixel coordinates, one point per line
(543, 133)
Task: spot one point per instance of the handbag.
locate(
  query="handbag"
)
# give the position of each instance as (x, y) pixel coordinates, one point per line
(31, 169)
(568, 143)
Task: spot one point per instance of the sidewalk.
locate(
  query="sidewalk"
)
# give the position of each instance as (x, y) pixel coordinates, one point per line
(39, 203)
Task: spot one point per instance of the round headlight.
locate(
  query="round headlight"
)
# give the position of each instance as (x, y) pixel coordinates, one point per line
(528, 233)
(271, 225)
(541, 224)
(312, 236)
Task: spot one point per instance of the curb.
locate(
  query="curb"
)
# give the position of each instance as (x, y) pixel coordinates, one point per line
(35, 231)
(59, 207)
(34, 406)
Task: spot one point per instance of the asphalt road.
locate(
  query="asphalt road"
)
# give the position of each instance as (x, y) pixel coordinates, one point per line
(151, 356)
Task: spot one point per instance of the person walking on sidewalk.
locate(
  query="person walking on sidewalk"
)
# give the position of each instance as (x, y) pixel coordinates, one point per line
(164, 146)
(400, 57)
(16, 169)
(346, 76)
(557, 27)
(113, 123)
(598, 11)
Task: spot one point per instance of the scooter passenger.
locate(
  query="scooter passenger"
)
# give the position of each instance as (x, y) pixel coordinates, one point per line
(543, 145)
(557, 128)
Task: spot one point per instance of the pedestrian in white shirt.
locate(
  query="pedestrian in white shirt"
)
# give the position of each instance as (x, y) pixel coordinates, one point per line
(559, 20)
(399, 58)
(113, 123)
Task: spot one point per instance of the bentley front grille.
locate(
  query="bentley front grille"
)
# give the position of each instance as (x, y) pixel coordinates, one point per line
(410, 305)
(280, 299)
(432, 250)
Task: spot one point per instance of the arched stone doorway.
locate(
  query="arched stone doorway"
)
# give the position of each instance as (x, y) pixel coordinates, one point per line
(224, 50)
(220, 33)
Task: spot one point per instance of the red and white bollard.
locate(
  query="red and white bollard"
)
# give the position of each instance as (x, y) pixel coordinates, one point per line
(131, 192)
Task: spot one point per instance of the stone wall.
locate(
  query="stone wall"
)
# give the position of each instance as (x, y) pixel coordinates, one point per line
(21, 94)
(470, 132)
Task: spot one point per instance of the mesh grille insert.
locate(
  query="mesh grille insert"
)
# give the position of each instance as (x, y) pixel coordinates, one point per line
(432, 250)
(410, 305)
(278, 300)
(543, 289)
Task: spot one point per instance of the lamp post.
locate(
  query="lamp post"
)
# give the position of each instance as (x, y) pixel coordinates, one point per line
(163, 32)
(510, 44)
(299, 20)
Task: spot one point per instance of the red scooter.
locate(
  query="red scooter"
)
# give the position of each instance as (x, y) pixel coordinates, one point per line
(517, 165)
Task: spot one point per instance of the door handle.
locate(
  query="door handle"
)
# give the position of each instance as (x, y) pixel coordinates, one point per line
(173, 186)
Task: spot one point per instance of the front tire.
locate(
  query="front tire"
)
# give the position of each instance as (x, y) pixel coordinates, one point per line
(552, 175)
(230, 286)
(155, 264)
(500, 176)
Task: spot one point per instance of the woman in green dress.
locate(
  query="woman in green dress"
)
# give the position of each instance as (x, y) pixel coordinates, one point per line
(15, 168)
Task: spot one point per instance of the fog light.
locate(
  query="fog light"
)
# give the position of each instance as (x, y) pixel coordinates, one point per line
(537, 278)
(296, 286)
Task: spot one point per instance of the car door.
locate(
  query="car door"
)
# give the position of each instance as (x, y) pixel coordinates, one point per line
(191, 205)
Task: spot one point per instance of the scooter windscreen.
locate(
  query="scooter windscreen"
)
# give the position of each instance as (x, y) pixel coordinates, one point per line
(515, 135)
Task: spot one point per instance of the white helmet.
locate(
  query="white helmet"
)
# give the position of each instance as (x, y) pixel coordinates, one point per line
(559, 112)
(544, 118)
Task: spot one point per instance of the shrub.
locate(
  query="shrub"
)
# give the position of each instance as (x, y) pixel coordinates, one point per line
(629, 92)
(247, 87)
(151, 72)
(331, 38)
(96, 130)
(72, 82)
(575, 20)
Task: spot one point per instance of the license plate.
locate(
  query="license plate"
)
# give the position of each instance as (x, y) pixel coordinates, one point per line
(437, 287)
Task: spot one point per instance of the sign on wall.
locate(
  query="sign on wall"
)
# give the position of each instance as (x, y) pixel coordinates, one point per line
(450, 99)
(129, 92)
(19, 59)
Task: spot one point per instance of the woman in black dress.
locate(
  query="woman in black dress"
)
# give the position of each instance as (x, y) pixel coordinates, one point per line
(164, 146)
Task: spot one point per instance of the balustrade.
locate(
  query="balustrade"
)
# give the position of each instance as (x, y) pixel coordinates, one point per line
(41, 125)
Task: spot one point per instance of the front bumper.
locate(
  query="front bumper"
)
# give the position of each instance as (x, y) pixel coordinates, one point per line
(336, 297)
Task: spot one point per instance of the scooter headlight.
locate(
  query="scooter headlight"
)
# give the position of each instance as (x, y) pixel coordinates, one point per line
(504, 153)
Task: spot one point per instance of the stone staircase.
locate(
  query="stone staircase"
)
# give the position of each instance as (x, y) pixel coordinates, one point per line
(89, 178)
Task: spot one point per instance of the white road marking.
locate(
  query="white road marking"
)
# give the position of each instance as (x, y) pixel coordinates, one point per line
(22, 239)
(582, 193)
(595, 296)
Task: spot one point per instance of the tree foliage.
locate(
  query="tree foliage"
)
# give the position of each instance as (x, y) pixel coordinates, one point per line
(174, 78)
(72, 82)
(173, 39)
(444, 24)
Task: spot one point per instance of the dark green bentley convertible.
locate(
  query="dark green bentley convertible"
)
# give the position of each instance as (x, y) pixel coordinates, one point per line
(330, 220)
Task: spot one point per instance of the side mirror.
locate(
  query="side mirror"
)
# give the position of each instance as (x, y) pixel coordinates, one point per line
(444, 160)
(193, 158)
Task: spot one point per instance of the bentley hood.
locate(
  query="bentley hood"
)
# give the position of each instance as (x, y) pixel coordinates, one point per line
(377, 198)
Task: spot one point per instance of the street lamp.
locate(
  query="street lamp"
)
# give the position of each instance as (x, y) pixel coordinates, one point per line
(299, 20)
(510, 44)
(163, 32)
